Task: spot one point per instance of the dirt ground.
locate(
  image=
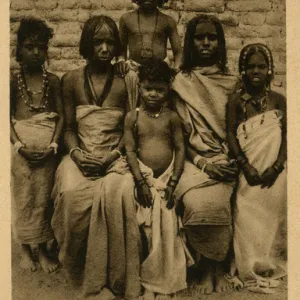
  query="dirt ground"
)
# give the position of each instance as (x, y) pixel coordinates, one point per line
(38, 285)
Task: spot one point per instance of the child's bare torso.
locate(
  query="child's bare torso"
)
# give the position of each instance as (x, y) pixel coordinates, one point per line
(152, 31)
(155, 141)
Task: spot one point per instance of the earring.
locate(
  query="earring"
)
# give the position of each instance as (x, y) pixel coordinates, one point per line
(243, 73)
(270, 72)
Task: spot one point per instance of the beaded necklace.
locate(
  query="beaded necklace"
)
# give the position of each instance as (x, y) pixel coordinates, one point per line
(28, 100)
(259, 103)
(152, 115)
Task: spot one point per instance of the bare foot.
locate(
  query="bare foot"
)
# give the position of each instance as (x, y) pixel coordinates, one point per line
(148, 295)
(222, 284)
(27, 262)
(105, 294)
(205, 286)
(163, 297)
(46, 263)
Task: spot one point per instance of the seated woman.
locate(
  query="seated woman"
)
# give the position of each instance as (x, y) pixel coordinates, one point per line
(93, 222)
(202, 89)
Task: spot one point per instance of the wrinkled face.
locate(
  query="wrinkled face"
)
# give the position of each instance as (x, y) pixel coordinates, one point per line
(33, 52)
(206, 41)
(153, 93)
(148, 5)
(257, 70)
(104, 44)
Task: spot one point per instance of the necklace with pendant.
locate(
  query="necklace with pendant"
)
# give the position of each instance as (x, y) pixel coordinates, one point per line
(153, 115)
(147, 46)
(28, 100)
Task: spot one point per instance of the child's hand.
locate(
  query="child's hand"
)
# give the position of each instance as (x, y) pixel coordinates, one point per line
(144, 195)
(122, 68)
(268, 177)
(251, 174)
(34, 158)
(169, 196)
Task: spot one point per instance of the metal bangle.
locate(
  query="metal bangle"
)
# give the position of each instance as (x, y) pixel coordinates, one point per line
(74, 149)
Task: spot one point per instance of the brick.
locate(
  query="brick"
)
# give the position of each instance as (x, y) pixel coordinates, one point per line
(233, 43)
(22, 5)
(275, 18)
(277, 44)
(65, 65)
(263, 31)
(96, 4)
(253, 18)
(62, 15)
(249, 5)
(45, 4)
(68, 27)
(54, 53)
(114, 5)
(70, 4)
(114, 14)
(204, 5)
(65, 40)
(70, 53)
(17, 15)
(83, 15)
(228, 19)
(85, 4)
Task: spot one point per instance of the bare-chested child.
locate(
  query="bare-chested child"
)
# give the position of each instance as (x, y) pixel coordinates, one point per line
(36, 124)
(256, 133)
(145, 33)
(155, 152)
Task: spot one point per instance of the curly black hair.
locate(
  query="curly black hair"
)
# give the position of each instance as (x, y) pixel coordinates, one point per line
(189, 56)
(32, 27)
(251, 49)
(156, 70)
(86, 46)
(160, 2)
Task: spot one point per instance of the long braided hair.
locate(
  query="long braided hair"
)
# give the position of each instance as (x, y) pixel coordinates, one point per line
(190, 56)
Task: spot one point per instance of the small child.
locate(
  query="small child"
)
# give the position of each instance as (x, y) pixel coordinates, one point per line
(36, 124)
(155, 153)
(145, 32)
(256, 133)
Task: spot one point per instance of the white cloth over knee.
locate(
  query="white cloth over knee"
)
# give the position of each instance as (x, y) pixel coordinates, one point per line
(164, 270)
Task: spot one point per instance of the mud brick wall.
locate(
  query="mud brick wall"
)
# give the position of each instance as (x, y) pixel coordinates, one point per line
(245, 21)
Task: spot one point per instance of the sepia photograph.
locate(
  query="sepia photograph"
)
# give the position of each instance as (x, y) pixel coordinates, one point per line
(148, 149)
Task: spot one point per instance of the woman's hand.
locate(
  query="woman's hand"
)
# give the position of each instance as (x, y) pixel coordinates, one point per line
(89, 165)
(122, 68)
(252, 175)
(144, 195)
(268, 177)
(221, 172)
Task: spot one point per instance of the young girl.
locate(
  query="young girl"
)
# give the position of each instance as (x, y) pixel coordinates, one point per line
(256, 132)
(36, 124)
(145, 33)
(155, 153)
